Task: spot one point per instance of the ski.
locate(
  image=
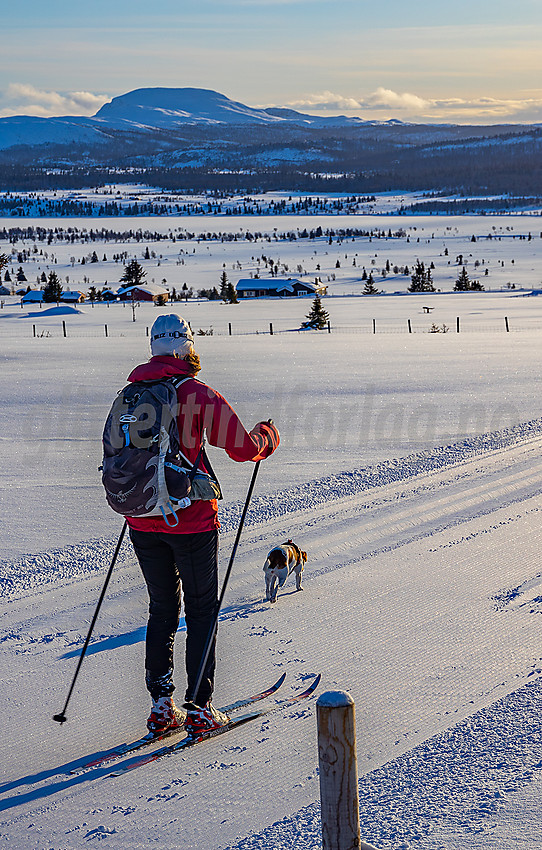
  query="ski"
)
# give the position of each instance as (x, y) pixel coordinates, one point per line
(190, 741)
(149, 738)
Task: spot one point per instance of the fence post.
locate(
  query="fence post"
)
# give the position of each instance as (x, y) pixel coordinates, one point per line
(328, 326)
(335, 715)
(457, 324)
(229, 328)
(409, 326)
(271, 328)
(64, 328)
(374, 326)
(105, 326)
(33, 330)
(506, 324)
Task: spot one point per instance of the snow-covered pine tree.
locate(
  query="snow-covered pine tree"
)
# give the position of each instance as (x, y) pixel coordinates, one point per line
(53, 288)
(224, 287)
(231, 294)
(421, 279)
(370, 288)
(318, 317)
(462, 283)
(134, 274)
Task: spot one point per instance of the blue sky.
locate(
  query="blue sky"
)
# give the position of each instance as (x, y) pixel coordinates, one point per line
(428, 60)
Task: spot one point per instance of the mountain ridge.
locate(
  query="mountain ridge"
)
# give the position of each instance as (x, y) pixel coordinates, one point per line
(201, 139)
(154, 108)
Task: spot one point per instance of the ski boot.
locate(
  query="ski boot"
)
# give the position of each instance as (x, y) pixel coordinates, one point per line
(165, 716)
(204, 719)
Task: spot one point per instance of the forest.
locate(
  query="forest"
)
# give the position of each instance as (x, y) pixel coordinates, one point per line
(364, 160)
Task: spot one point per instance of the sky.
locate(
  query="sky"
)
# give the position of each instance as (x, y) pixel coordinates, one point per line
(467, 61)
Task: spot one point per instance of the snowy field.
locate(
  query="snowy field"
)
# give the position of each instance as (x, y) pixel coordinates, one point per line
(410, 470)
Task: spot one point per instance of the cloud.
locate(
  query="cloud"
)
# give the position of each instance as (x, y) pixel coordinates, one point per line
(325, 101)
(23, 99)
(388, 98)
(385, 103)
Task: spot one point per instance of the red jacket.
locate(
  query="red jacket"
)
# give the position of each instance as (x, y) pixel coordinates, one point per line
(202, 407)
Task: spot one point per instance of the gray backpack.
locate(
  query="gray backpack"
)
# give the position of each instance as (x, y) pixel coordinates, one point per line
(142, 471)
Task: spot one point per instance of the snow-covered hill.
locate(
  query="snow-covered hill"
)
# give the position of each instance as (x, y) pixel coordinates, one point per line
(145, 109)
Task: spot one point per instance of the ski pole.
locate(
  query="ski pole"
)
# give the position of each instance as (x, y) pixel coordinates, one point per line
(213, 629)
(61, 718)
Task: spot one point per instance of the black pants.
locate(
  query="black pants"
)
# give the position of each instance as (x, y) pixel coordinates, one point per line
(178, 567)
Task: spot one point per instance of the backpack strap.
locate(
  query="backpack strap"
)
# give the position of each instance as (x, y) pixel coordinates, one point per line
(177, 381)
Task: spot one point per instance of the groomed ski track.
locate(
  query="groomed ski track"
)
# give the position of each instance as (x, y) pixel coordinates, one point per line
(422, 598)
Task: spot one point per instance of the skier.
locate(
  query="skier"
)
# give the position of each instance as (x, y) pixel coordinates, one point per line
(183, 558)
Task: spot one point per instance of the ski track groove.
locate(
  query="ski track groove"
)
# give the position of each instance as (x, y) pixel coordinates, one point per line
(374, 511)
(39, 571)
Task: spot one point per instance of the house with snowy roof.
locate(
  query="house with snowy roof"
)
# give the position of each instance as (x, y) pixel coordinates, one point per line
(35, 296)
(143, 292)
(255, 287)
(109, 295)
(72, 297)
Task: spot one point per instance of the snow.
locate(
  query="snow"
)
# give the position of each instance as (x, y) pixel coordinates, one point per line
(409, 470)
(335, 699)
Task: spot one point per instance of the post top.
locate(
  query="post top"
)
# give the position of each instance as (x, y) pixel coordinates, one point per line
(335, 699)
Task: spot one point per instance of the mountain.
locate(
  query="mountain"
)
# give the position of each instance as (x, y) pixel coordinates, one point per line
(167, 108)
(147, 109)
(200, 139)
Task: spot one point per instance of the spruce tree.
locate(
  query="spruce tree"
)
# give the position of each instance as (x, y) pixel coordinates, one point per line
(224, 283)
(318, 317)
(370, 288)
(231, 294)
(134, 274)
(462, 283)
(421, 279)
(53, 289)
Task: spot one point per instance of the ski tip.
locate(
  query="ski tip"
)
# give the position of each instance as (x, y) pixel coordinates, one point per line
(315, 682)
(279, 681)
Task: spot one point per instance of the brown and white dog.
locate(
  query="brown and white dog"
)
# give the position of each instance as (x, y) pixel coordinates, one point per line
(281, 561)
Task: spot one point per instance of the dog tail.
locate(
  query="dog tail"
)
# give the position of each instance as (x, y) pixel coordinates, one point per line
(266, 565)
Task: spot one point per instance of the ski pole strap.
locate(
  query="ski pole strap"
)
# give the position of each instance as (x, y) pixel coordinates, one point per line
(194, 469)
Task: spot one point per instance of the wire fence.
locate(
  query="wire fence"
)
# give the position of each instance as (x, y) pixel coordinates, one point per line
(48, 329)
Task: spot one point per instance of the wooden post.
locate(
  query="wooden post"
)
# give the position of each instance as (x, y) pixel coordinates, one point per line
(64, 328)
(457, 324)
(409, 326)
(338, 772)
(506, 324)
(374, 326)
(147, 331)
(33, 330)
(229, 328)
(271, 328)
(328, 326)
(105, 326)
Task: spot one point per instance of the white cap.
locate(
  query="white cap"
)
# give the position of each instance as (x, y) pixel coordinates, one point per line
(170, 334)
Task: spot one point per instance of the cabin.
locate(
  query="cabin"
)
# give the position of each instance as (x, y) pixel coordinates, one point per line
(35, 296)
(69, 297)
(277, 287)
(109, 295)
(143, 292)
